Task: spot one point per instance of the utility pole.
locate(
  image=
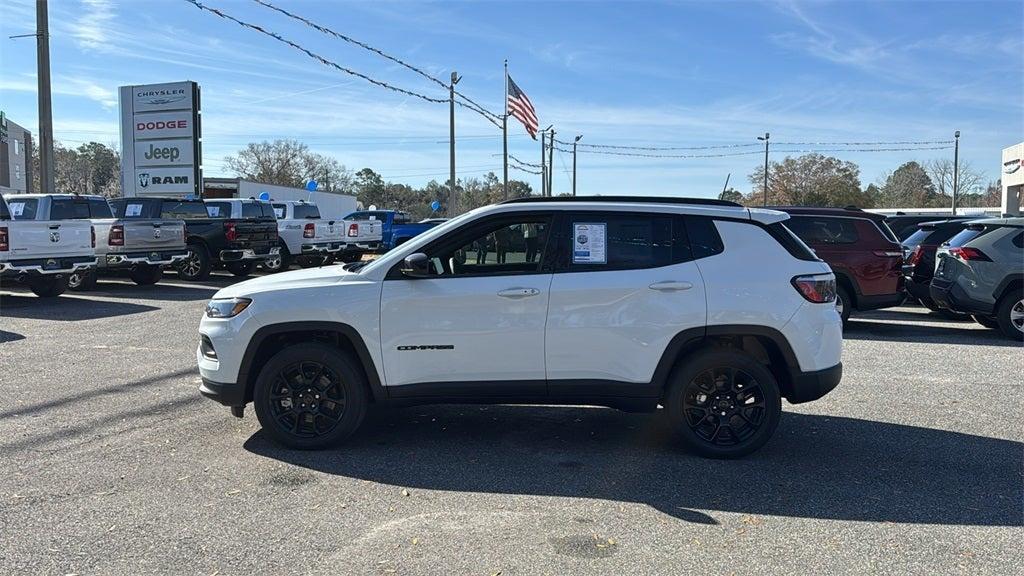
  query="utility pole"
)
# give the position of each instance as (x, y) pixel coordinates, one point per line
(544, 161)
(504, 136)
(765, 138)
(574, 163)
(551, 164)
(956, 168)
(46, 181)
(453, 201)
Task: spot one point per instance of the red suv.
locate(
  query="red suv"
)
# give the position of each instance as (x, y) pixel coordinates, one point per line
(862, 251)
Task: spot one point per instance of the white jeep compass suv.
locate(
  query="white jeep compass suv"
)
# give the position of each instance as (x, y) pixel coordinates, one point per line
(713, 311)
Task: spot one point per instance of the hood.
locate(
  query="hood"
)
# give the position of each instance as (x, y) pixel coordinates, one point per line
(306, 278)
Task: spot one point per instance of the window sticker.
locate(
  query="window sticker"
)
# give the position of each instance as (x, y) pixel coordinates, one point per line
(213, 211)
(588, 243)
(279, 212)
(132, 210)
(17, 208)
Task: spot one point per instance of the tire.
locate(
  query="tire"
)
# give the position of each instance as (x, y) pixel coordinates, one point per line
(310, 261)
(196, 266)
(327, 412)
(240, 269)
(144, 275)
(987, 322)
(721, 379)
(48, 286)
(1010, 315)
(279, 264)
(347, 257)
(82, 280)
(844, 304)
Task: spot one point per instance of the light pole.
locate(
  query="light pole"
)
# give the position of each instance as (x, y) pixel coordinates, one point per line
(956, 168)
(574, 163)
(453, 202)
(551, 165)
(46, 179)
(544, 161)
(765, 139)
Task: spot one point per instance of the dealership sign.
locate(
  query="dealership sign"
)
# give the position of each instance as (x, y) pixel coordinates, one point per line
(160, 139)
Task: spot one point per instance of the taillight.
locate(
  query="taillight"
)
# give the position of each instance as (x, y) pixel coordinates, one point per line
(5, 243)
(353, 230)
(915, 256)
(965, 253)
(229, 232)
(309, 230)
(116, 237)
(817, 289)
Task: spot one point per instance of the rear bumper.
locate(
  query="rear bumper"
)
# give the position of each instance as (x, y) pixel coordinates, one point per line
(919, 289)
(880, 301)
(322, 249)
(362, 247)
(948, 294)
(809, 386)
(223, 393)
(46, 266)
(154, 258)
(248, 254)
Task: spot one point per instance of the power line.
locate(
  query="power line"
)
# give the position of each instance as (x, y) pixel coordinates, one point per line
(472, 105)
(897, 143)
(656, 148)
(751, 144)
(511, 157)
(316, 56)
(521, 169)
(730, 154)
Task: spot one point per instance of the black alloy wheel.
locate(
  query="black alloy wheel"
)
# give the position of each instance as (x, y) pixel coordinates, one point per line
(310, 396)
(723, 403)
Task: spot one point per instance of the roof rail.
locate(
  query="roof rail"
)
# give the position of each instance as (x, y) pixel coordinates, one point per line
(629, 199)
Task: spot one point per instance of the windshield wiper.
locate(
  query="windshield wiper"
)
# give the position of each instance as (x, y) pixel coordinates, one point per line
(353, 266)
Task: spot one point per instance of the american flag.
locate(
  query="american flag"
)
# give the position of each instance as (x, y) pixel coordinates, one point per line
(519, 106)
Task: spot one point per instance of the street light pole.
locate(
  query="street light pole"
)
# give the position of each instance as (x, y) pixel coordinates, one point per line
(46, 180)
(574, 163)
(956, 168)
(452, 199)
(765, 138)
(551, 165)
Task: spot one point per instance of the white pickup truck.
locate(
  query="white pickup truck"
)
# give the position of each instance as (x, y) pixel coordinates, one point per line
(306, 238)
(362, 236)
(42, 253)
(140, 247)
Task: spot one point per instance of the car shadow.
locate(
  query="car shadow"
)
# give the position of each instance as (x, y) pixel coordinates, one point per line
(160, 291)
(6, 336)
(815, 467)
(921, 315)
(952, 332)
(65, 308)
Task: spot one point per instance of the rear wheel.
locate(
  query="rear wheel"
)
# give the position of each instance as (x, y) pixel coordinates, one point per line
(310, 261)
(347, 257)
(195, 266)
(144, 275)
(82, 280)
(240, 269)
(987, 322)
(278, 263)
(1010, 315)
(723, 403)
(310, 396)
(48, 286)
(844, 304)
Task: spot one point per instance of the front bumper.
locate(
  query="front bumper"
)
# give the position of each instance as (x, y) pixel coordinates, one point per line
(809, 386)
(46, 266)
(227, 394)
(948, 294)
(155, 258)
(247, 254)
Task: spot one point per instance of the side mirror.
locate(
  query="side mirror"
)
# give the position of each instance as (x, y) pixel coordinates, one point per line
(416, 265)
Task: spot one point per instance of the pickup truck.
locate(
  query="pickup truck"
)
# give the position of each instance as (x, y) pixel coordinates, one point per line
(305, 237)
(140, 247)
(209, 240)
(42, 253)
(396, 227)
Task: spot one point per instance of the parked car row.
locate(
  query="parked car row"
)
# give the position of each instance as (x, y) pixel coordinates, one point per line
(53, 242)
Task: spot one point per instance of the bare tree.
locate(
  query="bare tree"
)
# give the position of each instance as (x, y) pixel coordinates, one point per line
(941, 172)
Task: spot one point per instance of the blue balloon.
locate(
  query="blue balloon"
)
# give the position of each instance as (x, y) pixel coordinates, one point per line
(311, 185)
(435, 205)
(264, 195)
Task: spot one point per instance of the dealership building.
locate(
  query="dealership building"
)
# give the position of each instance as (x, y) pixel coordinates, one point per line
(1013, 178)
(15, 158)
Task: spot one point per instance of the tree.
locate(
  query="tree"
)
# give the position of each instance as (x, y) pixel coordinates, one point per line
(908, 187)
(809, 180)
(330, 175)
(942, 171)
(92, 168)
(731, 195)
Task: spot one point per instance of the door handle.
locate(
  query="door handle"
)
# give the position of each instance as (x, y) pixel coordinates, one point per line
(518, 292)
(670, 286)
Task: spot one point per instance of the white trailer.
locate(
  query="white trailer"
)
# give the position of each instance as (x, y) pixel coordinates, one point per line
(332, 206)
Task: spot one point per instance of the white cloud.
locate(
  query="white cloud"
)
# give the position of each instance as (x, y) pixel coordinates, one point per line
(92, 29)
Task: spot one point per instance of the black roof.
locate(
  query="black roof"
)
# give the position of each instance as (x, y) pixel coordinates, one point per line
(630, 199)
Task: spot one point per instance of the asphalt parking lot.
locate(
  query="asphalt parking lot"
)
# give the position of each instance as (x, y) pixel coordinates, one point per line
(113, 464)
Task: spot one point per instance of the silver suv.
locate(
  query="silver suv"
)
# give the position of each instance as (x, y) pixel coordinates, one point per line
(980, 272)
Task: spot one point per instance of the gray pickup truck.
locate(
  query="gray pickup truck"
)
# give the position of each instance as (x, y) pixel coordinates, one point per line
(140, 247)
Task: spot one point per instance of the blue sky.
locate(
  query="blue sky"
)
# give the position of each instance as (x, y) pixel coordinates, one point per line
(624, 73)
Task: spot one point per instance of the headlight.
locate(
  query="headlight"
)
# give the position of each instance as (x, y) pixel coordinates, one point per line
(226, 308)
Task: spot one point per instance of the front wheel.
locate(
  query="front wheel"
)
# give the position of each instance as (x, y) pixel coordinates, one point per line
(723, 403)
(310, 396)
(48, 286)
(240, 269)
(145, 275)
(1010, 316)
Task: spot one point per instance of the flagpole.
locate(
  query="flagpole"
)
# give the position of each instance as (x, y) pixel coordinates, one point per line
(504, 135)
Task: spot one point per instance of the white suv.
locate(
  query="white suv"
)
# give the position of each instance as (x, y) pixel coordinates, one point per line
(714, 311)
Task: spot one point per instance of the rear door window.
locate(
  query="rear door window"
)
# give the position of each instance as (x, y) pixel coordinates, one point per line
(622, 241)
(824, 230)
